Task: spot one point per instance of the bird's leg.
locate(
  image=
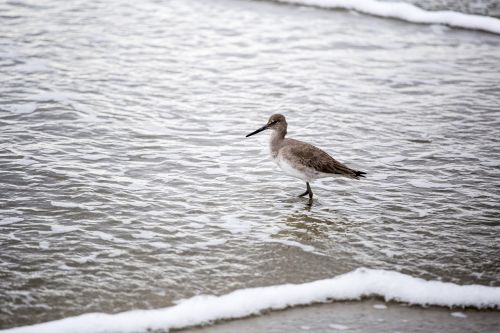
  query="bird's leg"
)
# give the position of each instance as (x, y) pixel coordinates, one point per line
(310, 202)
(308, 191)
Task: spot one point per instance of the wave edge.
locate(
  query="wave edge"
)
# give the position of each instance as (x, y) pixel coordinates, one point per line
(408, 12)
(203, 309)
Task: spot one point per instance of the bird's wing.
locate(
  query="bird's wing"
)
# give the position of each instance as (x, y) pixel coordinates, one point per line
(315, 158)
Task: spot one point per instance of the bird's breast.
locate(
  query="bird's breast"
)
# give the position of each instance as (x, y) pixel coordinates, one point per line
(290, 169)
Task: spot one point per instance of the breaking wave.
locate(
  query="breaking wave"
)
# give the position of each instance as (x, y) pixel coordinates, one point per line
(355, 285)
(409, 12)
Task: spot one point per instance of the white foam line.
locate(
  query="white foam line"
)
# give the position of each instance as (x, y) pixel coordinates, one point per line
(245, 302)
(409, 12)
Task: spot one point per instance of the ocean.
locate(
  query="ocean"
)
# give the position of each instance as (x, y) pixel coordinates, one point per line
(130, 198)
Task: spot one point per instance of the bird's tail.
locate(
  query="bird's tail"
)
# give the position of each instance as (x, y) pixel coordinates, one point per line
(358, 174)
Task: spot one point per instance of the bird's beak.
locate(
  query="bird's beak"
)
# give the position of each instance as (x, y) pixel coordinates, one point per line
(257, 131)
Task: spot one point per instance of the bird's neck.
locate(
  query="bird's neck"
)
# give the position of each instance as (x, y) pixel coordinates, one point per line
(277, 137)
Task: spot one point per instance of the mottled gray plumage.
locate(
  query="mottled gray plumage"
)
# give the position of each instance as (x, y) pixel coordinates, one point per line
(300, 159)
(305, 154)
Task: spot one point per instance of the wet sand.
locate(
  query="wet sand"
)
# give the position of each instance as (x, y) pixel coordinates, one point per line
(366, 316)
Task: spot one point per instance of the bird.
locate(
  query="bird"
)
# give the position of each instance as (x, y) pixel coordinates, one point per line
(300, 159)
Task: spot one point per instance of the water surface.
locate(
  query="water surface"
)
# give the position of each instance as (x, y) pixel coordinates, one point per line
(126, 181)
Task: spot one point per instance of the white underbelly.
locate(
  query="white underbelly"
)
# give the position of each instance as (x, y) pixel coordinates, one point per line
(304, 173)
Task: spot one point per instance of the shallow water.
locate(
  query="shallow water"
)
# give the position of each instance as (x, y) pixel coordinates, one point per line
(477, 7)
(126, 181)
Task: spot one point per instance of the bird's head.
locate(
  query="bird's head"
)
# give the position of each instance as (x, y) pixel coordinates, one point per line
(276, 122)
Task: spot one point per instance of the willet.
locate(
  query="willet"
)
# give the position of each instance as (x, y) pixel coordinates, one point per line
(302, 160)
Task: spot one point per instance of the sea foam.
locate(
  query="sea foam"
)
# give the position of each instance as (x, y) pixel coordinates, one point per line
(241, 303)
(409, 12)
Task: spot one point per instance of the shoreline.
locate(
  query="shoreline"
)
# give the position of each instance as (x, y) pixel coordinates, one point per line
(369, 315)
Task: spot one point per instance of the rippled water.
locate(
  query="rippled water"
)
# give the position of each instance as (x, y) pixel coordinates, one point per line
(126, 181)
(477, 7)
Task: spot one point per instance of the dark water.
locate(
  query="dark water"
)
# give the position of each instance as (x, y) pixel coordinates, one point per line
(126, 181)
(477, 7)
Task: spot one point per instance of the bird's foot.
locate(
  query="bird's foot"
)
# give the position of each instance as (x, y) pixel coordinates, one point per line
(305, 193)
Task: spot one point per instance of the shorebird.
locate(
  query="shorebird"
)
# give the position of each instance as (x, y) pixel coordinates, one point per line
(302, 160)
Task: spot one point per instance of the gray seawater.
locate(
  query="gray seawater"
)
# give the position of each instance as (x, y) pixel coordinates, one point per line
(126, 181)
(476, 7)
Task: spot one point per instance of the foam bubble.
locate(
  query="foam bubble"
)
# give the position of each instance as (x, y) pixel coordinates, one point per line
(145, 234)
(105, 236)
(204, 244)
(24, 108)
(44, 245)
(61, 229)
(26, 161)
(51, 97)
(339, 327)
(305, 248)
(116, 253)
(245, 302)
(195, 225)
(65, 204)
(10, 220)
(420, 183)
(85, 259)
(160, 245)
(458, 315)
